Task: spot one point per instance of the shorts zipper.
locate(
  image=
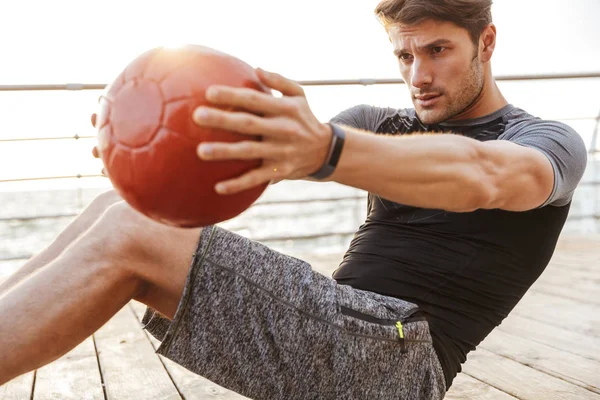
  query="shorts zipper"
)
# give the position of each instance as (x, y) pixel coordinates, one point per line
(398, 323)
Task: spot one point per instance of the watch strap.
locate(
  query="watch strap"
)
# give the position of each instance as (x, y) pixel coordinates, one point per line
(335, 152)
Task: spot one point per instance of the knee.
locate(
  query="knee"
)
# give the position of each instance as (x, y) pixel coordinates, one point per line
(114, 244)
(127, 235)
(141, 249)
(116, 240)
(103, 201)
(109, 197)
(86, 219)
(119, 229)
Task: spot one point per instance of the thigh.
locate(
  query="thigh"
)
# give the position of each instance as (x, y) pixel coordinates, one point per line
(166, 271)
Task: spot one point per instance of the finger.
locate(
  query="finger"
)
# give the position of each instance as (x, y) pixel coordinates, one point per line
(94, 116)
(240, 122)
(275, 81)
(247, 181)
(248, 99)
(244, 150)
(95, 152)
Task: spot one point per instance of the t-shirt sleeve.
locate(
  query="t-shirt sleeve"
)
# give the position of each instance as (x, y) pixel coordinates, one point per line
(363, 117)
(565, 150)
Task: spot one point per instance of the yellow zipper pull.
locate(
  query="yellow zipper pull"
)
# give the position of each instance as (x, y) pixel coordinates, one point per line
(400, 329)
(401, 334)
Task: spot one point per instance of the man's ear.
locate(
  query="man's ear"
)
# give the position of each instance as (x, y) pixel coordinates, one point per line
(487, 42)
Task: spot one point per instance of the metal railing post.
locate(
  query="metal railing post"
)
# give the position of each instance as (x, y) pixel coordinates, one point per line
(595, 135)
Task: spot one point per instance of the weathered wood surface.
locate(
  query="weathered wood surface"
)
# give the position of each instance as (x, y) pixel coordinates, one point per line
(548, 348)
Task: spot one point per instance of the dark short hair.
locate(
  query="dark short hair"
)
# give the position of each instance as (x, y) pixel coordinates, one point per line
(473, 15)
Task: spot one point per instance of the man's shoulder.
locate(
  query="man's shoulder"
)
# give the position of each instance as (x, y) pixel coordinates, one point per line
(559, 142)
(369, 117)
(520, 122)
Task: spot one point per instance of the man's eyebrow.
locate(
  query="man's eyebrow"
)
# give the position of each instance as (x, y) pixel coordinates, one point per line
(435, 43)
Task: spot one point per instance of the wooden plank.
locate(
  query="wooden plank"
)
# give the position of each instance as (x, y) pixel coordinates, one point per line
(465, 387)
(521, 381)
(19, 388)
(129, 365)
(565, 281)
(581, 262)
(195, 387)
(73, 376)
(190, 385)
(572, 292)
(563, 274)
(576, 243)
(561, 312)
(569, 367)
(552, 335)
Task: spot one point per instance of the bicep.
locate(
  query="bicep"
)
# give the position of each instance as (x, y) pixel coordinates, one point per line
(518, 178)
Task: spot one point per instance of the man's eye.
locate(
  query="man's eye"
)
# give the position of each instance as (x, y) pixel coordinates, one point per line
(404, 56)
(437, 49)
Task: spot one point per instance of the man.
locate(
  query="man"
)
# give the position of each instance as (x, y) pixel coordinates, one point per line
(450, 244)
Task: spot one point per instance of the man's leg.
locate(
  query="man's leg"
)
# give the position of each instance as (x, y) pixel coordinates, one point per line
(77, 227)
(124, 255)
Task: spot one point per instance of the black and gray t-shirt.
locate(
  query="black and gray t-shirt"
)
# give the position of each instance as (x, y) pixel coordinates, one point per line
(466, 271)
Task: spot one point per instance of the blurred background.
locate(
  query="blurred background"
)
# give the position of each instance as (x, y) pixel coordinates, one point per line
(47, 173)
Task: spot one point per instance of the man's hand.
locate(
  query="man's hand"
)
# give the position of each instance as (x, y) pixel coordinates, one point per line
(95, 152)
(294, 143)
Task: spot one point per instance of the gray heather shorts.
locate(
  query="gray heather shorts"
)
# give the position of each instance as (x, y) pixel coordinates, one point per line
(267, 326)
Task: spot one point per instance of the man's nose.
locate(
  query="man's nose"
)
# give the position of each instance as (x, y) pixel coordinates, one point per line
(421, 74)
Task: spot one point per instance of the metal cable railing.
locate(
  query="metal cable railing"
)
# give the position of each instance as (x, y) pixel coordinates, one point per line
(78, 137)
(49, 178)
(283, 238)
(25, 218)
(275, 238)
(362, 82)
(593, 145)
(266, 239)
(324, 82)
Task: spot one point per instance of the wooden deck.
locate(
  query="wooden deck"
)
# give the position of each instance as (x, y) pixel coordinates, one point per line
(548, 348)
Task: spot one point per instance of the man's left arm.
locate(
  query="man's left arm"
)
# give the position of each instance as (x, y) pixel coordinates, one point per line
(460, 174)
(539, 165)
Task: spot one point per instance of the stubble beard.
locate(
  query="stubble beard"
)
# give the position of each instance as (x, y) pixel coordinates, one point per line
(468, 92)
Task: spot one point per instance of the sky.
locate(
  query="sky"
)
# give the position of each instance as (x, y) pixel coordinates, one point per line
(81, 41)
(91, 41)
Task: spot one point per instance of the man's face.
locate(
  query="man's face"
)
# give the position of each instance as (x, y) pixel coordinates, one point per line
(439, 62)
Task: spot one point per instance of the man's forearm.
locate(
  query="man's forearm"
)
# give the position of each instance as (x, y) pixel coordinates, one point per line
(432, 171)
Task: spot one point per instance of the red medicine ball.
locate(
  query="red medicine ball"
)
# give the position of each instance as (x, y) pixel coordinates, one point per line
(147, 139)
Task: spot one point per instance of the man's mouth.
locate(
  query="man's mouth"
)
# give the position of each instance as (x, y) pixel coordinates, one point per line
(427, 100)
